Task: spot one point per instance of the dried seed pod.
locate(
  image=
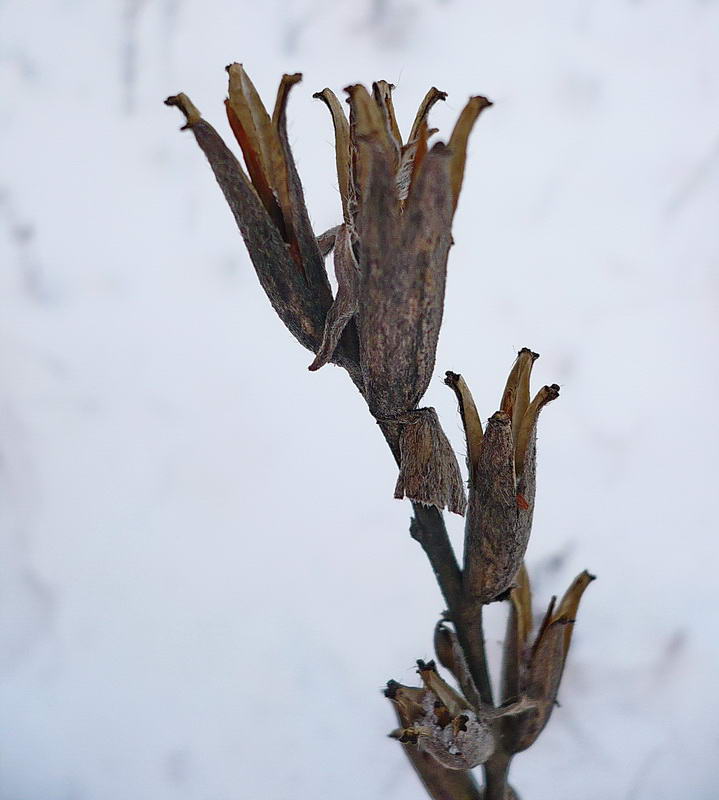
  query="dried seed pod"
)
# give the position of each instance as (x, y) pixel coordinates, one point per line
(429, 473)
(403, 278)
(535, 672)
(439, 781)
(445, 727)
(270, 212)
(502, 465)
(493, 548)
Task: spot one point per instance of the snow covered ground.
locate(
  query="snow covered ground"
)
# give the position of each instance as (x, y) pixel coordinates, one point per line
(204, 579)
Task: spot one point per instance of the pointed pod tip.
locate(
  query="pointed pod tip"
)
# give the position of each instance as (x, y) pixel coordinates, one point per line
(188, 108)
(535, 356)
(451, 378)
(481, 101)
(390, 690)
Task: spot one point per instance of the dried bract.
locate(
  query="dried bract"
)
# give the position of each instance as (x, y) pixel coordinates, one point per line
(429, 473)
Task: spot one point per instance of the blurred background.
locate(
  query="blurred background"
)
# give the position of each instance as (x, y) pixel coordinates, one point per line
(204, 579)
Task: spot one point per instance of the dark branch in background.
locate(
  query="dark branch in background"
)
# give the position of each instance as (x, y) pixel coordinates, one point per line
(382, 326)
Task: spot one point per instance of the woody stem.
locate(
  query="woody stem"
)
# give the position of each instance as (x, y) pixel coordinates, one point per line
(496, 770)
(467, 618)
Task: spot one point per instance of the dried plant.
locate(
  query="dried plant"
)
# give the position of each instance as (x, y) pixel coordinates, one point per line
(382, 325)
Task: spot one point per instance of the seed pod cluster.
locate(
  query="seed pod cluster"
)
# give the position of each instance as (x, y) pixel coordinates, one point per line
(390, 248)
(390, 251)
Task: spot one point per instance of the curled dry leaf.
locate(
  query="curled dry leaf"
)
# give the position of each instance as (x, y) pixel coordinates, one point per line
(344, 306)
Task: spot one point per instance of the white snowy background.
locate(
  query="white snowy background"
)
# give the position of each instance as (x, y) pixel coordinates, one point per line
(204, 579)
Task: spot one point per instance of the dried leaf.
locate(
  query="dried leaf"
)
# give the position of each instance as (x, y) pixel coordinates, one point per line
(545, 672)
(515, 399)
(382, 92)
(470, 419)
(345, 303)
(255, 168)
(432, 96)
(459, 138)
(569, 605)
(429, 473)
(519, 625)
(410, 159)
(296, 209)
(432, 680)
(326, 240)
(528, 427)
(245, 101)
(342, 149)
(369, 119)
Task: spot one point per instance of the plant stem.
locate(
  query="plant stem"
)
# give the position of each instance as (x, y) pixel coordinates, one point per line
(496, 771)
(428, 528)
(467, 620)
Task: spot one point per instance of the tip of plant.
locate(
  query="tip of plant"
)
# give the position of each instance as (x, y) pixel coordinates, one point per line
(534, 355)
(188, 108)
(451, 378)
(390, 691)
(482, 101)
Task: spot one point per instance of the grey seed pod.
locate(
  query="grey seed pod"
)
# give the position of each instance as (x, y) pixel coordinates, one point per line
(535, 671)
(502, 479)
(269, 209)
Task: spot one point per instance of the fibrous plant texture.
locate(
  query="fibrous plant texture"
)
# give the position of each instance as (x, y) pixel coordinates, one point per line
(382, 325)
